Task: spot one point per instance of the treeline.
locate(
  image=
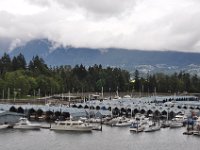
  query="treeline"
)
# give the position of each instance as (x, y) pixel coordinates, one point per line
(19, 78)
(35, 78)
(175, 83)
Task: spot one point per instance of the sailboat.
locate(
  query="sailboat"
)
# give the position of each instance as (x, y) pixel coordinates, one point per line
(166, 123)
(152, 126)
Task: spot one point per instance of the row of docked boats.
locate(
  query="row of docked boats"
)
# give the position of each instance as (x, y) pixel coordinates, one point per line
(68, 125)
(22, 124)
(141, 123)
(137, 124)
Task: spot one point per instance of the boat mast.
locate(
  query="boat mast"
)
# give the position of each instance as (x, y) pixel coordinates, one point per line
(102, 92)
(69, 98)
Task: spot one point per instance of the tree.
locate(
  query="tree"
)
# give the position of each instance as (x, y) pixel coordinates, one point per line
(38, 66)
(19, 62)
(5, 64)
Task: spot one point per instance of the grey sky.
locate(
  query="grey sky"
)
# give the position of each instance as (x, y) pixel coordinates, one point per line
(131, 24)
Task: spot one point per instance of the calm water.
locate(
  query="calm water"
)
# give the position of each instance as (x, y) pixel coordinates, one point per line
(111, 138)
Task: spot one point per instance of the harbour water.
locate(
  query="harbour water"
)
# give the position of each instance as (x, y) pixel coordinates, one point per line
(111, 138)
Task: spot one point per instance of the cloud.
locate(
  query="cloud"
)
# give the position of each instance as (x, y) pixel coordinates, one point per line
(131, 24)
(95, 7)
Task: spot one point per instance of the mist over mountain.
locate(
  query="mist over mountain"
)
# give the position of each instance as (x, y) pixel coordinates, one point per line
(145, 61)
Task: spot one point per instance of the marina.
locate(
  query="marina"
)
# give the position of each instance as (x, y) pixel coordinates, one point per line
(123, 123)
(99, 75)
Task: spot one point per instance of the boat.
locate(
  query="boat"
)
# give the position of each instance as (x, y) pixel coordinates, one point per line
(97, 127)
(196, 133)
(124, 122)
(70, 125)
(165, 124)
(26, 125)
(94, 120)
(152, 128)
(4, 126)
(176, 124)
(188, 133)
(136, 127)
(141, 119)
(112, 122)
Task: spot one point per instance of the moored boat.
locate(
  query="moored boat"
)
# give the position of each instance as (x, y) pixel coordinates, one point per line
(24, 124)
(196, 133)
(70, 125)
(152, 128)
(136, 127)
(124, 122)
(4, 126)
(176, 124)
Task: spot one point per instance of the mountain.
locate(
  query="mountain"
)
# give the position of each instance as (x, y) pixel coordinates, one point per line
(126, 59)
(33, 48)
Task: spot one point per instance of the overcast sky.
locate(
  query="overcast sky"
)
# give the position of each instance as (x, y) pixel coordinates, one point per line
(130, 24)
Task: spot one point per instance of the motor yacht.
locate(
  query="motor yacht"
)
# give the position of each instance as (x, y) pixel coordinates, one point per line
(4, 126)
(176, 124)
(152, 128)
(70, 125)
(137, 127)
(26, 125)
(124, 122)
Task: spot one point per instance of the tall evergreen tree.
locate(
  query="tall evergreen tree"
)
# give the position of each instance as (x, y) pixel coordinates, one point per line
(5, 63)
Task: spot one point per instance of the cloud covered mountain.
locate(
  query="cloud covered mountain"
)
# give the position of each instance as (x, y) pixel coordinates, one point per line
(126, 59)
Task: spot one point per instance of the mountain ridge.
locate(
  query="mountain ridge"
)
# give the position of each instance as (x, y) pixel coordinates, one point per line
(123, 58)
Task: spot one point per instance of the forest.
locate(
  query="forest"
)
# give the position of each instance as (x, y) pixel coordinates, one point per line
(35, 78)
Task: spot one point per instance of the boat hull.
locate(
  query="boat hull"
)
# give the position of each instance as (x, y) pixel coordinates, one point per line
(27, 127)
(4, 126)
(176, 125)
(123, 124)
(82, 129)
(152, 129)
(139, 129)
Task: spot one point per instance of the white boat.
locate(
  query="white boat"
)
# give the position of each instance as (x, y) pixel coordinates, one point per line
(197, 133)
(94, 120)
(26, 125)
(136, 127)
(141, 119)
(4, 126)
(180, 118)
(123, 123)
(176, 124)
(70, 125)
(97, 127)
(114, 121)
(165, 124)
(152, 128)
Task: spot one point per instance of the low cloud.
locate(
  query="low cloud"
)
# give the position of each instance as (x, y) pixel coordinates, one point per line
(131, 24)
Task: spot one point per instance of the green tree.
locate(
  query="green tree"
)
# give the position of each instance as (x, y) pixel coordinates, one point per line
(38, 66)
(5, 64)
(19, 62)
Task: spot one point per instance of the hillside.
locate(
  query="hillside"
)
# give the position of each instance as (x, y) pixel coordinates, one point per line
(128, 59)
